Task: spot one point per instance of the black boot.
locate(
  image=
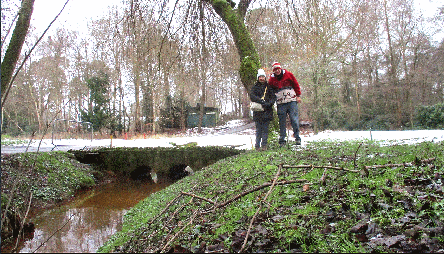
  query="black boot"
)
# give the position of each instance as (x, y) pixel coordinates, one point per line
(298, 141)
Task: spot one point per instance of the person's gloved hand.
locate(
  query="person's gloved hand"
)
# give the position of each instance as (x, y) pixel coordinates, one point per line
(262, 102)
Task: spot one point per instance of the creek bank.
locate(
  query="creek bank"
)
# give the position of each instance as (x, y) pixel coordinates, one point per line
(47, 179)
(54, 178)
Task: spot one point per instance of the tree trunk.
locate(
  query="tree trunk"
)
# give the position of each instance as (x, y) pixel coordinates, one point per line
(137, 122)
(203, 71)
(234, 18)
(15, 45)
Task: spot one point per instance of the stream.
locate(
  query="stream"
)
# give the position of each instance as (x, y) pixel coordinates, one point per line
(90, 219)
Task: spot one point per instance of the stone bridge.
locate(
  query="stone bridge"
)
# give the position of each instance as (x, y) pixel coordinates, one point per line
(130, 161)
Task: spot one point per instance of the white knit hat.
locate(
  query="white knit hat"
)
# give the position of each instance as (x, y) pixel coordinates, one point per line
(261, 72)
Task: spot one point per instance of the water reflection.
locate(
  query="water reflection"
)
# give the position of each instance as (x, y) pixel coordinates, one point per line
(90, 219)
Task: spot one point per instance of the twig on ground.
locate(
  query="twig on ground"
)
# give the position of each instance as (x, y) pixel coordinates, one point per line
(323, 177)
(329, 167)
(171, 218)
(260, 207)
(166, 208)
(256, 175)
(258, 188)
(354, 159)
(215, 206)
(205, 199)
(425, 161)
(400, 164)
(195, 213)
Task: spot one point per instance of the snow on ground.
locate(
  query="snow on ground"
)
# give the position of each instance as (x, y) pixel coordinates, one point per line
(246, 138)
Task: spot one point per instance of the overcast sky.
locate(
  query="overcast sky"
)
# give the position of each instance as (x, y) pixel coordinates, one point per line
(75, 15)
(78, 12)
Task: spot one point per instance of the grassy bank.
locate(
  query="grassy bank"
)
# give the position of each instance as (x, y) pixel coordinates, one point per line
(326, 197)
(31, 181)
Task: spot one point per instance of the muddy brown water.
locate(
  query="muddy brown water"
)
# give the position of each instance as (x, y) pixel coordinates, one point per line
(88, 221)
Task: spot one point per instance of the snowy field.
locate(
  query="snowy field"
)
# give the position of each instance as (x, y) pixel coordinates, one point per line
(241, 140)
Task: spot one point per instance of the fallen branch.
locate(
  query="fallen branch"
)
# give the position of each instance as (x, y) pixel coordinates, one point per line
(215, 206)
(170, 219)
(400, 164)
(436, 230)
(180, 231)
(390, 165)
(260, 207)
(356, 152)
(167, 206)
(164, 210)
(426, 161)
(328, 167)
(323, 177)
(258, 188)
(195, 196)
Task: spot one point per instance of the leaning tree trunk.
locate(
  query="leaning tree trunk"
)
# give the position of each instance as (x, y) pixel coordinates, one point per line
(15, 45)
(234, 18)
(203, 72)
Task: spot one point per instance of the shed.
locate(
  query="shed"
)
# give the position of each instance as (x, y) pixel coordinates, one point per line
(210, 117)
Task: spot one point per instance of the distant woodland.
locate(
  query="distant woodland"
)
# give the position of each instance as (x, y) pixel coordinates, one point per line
(361, 64)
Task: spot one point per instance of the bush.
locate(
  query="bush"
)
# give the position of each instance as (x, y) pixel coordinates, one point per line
(430, 117)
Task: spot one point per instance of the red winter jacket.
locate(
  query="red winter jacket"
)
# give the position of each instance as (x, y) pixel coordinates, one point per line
(287, 80)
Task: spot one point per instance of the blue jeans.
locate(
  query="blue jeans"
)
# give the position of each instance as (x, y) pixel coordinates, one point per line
(262, 133)
(290, 108)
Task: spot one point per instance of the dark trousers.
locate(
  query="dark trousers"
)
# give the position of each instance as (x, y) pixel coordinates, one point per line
(262, 133)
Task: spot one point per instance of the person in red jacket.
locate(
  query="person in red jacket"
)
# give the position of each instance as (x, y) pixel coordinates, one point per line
(288, 94)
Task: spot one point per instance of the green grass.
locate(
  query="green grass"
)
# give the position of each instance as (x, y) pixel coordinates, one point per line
(305, 214)
(51, 177)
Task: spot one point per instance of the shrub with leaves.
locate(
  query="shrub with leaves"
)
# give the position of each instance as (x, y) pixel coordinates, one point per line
(430, 117)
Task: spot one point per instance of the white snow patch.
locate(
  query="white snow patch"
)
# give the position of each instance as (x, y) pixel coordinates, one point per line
(246, 138)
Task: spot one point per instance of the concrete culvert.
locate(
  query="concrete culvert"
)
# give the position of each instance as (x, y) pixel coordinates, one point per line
(177, 172)
(141, 173)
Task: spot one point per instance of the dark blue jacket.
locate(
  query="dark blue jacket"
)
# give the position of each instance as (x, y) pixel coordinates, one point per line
(257, 91)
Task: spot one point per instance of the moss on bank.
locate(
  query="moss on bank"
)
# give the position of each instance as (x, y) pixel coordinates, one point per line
(307, 216)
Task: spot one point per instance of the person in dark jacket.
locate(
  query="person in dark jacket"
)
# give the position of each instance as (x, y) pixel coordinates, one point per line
(262, 118)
